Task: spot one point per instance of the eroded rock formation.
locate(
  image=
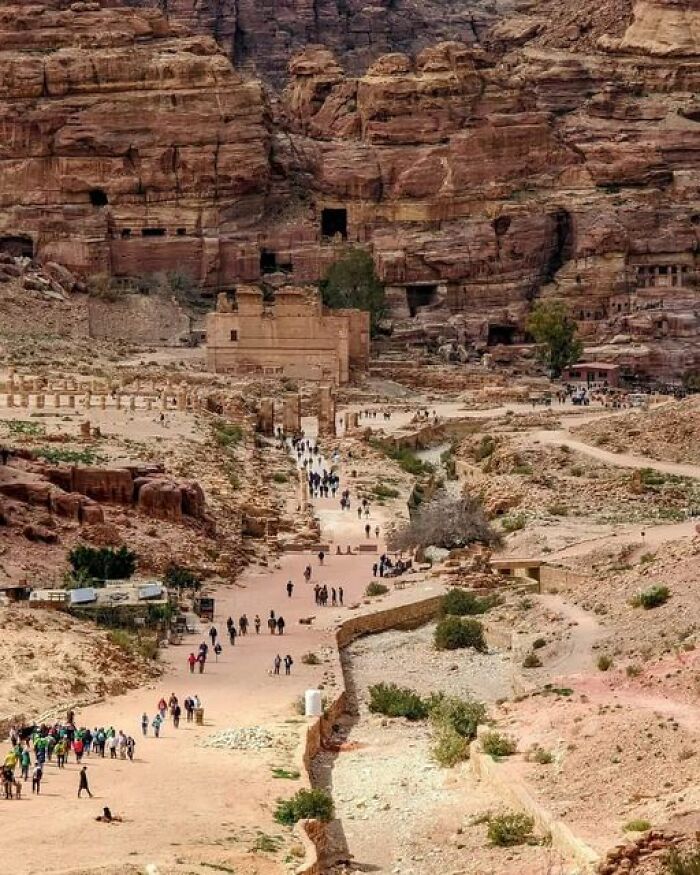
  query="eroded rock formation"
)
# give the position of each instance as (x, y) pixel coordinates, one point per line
(557, 154)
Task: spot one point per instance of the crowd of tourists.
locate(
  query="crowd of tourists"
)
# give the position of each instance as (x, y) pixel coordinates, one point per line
(35, 747)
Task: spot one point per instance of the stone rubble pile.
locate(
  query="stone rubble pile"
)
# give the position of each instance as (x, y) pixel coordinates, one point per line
(628, 857)
(245, 738)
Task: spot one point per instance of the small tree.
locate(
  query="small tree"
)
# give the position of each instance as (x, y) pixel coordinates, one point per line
(446, 522)
(551, 325)
(455, 633)
(352, 282)
(102, 563)
(179, 577)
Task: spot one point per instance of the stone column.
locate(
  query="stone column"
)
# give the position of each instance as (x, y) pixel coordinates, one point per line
(326, 412)
(266, 417)
(103, 402)
(57, 400)
(149, 402)
(10, 399)
(40, 401)
(182, 398)
(163, 401)
(71, 400)
(291, 414)
(23, 397)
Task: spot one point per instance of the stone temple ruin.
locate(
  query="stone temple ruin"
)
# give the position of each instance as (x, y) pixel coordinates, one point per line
(296, 337)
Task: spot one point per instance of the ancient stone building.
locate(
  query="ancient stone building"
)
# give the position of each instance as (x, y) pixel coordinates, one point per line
(295, 336)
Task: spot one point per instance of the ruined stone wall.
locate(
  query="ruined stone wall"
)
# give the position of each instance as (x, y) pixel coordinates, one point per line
(141, 319)
(294, 337)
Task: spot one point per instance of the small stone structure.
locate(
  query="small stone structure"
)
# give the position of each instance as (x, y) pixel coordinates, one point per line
(296, 337)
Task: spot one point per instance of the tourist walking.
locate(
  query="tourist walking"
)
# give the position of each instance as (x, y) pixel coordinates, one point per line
(290, 588)
(157, 720)
(288, 663)
(340, 595)
(243, 624)
(177, 711)
(37, 775)
(257, 623)
(280, 625)
(217, 651)
(144, 722)
(83, 783)
(191, 661)
(277, 663)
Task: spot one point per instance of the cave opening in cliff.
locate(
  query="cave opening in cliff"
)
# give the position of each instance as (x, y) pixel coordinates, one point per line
(98, 197)
(562, 240)
(334, 221)
(153, 232)
(268, 261)
(418, 296)
(500, 334)
(17, 245)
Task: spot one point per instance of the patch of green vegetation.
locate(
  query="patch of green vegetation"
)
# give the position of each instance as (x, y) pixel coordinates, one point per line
(227, 434)
(523, 470)
(103, 563)
(557, 508)
(455, 722)
(633, 670)
(463, 603)
(144, 646)
(24, 427)
(381, 491)
(310, 659)
(406, 459)
(651, 598)
(56, 455)
(540, 755)
(532, 660)
(638, 825)
(495, 744)
(305, 805)
(394, 701)
(539, 643)
(485, 448)
(178, 577)
(604, 662)
(286, 774)
(645, 558)
(514, 522)
(374, 589)
(682, 862)
(280, 477)
(267, 844)
(456, 633)
(507, 830)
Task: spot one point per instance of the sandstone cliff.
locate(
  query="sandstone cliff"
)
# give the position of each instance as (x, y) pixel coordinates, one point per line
(557, 154)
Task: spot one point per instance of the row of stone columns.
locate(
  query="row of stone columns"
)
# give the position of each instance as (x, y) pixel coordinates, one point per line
(291, 413)
(183, 401)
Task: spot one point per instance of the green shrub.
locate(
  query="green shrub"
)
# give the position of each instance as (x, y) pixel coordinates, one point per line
(305, 805)
(406, 459)
(382, 491)
(532, 660)
(103, 563)
(178, 577)
(449, 747)
(683, 863)
(55, 455)
(539, 755)
(506, 830)
(375, 588)
(538, 643)
(633, 670)
(495, 744)
(310, 659)
(558, 509)
(25, 426)
(523, 470)
(455, 633)
(576, 471)
(651, 598)
(461, 715)
(394, 701)
(485, 448)
(227, 434)
(639, 825)
(514, 522)
(280, 477)
(462, 603)
(604, 662)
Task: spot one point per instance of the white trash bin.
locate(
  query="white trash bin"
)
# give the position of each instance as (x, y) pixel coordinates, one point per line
(312, 700)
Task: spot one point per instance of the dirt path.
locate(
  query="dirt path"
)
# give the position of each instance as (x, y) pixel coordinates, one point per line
(622, 460)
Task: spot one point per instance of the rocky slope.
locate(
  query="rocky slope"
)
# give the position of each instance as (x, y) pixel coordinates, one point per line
(544, 151)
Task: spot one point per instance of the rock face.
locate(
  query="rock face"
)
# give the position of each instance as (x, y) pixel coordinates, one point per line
(551, 151)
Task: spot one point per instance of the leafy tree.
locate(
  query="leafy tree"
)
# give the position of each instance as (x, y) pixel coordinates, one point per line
(179, 577)
(102, 563)
(551, 325)
(352, 282)
(456, 633)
